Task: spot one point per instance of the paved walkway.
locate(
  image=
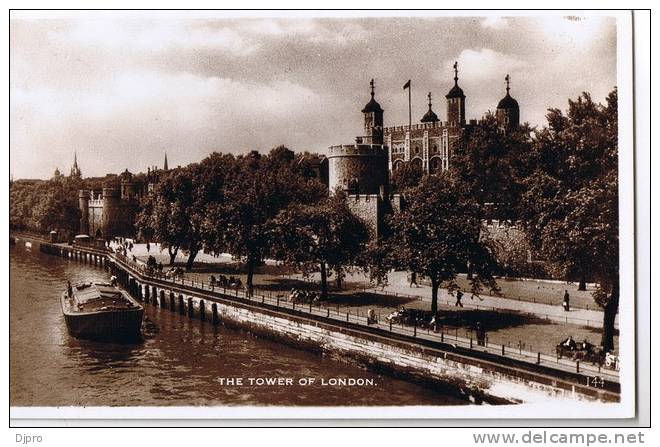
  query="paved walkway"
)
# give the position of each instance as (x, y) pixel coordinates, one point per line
(398, 287)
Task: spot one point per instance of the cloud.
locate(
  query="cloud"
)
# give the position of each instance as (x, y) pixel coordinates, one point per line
(494, 22)
(151, 35)
(122, 90)
(484, 64)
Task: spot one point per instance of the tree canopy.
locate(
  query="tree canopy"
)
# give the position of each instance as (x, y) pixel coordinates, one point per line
(438, 233)
(570, 207)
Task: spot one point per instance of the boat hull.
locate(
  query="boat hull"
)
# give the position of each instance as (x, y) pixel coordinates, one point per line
(113, 325)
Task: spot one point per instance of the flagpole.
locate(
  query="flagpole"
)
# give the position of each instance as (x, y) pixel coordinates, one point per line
(409, 108)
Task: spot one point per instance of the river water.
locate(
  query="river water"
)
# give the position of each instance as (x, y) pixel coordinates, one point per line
(180, 362)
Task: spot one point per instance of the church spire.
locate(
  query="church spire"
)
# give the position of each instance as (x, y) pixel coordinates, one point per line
(165, 163)
(507, 79)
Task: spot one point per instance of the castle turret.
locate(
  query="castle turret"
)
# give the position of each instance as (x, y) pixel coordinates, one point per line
(456, 102)
(430, 116)
(508, 111)
(357, 168)
(83, 204)
(373, 120)
(111, 211)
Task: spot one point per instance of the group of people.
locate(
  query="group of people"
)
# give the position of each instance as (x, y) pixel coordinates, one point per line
(303, 296)
(225, 282)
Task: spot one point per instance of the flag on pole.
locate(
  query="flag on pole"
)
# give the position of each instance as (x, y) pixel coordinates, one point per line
(406, 85)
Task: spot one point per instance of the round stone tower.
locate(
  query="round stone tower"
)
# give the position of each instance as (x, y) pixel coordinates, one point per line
(357, 168)
(111, 211)
(83, 204)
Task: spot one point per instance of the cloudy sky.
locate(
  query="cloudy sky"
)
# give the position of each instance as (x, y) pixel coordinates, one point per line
(123, 90)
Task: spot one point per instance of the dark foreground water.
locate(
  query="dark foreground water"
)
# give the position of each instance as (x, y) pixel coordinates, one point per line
(180, 362)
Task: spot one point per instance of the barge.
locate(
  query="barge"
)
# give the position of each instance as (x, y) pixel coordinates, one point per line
(101, 311)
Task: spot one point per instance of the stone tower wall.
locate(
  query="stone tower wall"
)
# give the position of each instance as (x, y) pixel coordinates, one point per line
(83, 205)
(456, 111)
(370, 208)
(365, 164)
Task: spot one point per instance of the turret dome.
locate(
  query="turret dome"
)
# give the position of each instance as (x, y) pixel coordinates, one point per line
(507, 103)
(429, 116)
(372, 105)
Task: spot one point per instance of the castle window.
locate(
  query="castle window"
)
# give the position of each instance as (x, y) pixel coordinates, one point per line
(436, 165)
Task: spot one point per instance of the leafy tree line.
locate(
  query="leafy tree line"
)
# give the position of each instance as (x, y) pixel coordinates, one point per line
(254, 207)
(42, 206)
(557, 183)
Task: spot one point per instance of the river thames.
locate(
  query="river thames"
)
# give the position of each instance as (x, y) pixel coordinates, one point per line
(181, 362)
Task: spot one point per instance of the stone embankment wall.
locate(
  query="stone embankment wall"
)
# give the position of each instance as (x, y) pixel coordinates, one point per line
(479, 379)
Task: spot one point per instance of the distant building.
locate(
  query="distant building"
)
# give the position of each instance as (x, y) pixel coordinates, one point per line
(111, 211)
(75, 170)
(428, 145)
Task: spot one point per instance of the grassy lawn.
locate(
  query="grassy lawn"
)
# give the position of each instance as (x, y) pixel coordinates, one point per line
(503, 327)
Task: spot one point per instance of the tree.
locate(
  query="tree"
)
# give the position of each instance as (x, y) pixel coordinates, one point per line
(491, 166)
(406, 176)
(45, 205)
(570, 209)
(320, 237)
(438, 234)
(172, 214)
(258, 188)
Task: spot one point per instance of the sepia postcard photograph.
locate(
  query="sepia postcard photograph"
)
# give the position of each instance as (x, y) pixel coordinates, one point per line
(321, 214)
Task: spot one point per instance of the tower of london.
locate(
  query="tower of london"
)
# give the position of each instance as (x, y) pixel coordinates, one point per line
(428, 145)
(362, 169)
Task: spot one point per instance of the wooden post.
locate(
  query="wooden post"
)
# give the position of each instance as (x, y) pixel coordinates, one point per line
(191, 310)
(181, 306)
(577, 366)
(202, 310)
(538, 358)
(214, 311)
(162, 299)
(146, 293)
(154, 294)
(471, 343)
(172, 302)
(502, 349)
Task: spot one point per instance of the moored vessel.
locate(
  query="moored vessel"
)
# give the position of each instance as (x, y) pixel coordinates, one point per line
(101, 311)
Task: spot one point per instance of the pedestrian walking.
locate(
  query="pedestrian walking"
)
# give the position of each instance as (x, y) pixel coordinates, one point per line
(567, 301)
(459, 297)
(481, 334)
(413, 279)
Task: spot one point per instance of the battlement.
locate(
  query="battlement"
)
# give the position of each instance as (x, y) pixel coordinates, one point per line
(419, 126)
(357, 149)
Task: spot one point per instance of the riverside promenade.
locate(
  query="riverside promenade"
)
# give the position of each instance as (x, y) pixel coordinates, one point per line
(515, 323)
(410, 349)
